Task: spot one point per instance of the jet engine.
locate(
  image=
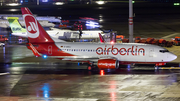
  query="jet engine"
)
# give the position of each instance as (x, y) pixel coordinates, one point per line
(108, 64)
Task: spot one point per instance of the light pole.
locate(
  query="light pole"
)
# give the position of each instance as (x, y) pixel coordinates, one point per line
(37, 2)
(130, 21)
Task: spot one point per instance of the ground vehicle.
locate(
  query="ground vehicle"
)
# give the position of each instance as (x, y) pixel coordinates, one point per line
(176, 41)
(159, 42)
(3, 39)
(125, 40)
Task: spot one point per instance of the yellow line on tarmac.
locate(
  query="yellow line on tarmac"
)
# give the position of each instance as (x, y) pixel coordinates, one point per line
(169, 67)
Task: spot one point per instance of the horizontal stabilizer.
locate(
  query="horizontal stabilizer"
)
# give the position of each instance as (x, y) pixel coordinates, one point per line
(36, 53)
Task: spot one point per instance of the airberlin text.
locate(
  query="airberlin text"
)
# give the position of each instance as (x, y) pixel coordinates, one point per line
(134, 50)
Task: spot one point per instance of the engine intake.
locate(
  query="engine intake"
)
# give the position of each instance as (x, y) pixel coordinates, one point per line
(108, 64)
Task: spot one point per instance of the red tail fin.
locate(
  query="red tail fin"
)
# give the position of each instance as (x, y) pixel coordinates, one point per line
(35, 32)
(101, 38)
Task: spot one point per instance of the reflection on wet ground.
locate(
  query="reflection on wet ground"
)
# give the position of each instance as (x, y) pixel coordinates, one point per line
(77, 68)
(90, 87)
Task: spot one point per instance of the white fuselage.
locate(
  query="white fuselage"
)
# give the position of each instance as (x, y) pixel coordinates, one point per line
(67, 34)
(132, 52)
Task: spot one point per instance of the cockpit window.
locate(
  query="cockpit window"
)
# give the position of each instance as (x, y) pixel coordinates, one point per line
(163, 51)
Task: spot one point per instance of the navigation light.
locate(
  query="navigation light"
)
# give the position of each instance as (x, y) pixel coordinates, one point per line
(44, 56)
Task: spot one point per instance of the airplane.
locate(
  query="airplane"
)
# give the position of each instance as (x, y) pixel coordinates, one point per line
(63, 34)
(5, 24)
(104, 55)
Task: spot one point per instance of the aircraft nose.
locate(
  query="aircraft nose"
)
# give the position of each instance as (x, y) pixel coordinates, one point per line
(172, 57)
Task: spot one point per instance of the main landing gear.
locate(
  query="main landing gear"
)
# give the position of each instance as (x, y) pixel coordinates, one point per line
(91, 66)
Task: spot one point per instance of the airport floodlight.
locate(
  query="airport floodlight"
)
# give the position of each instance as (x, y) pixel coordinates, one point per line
(100, 2)
(176, 4)
(21, 1)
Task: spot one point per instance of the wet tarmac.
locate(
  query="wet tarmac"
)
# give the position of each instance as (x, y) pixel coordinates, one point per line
(83, 85)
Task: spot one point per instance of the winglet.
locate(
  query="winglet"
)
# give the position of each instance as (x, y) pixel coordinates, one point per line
(36, 53)
(101, 38)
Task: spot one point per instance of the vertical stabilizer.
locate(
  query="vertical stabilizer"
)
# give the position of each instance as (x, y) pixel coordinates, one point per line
(15, 25)
(35, 32)
(101, 38)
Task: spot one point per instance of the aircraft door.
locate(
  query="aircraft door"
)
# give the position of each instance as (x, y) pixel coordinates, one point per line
(50, 50)
(151, 52)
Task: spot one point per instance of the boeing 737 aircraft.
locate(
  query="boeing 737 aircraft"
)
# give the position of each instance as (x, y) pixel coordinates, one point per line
(106, 55)
(57, 33)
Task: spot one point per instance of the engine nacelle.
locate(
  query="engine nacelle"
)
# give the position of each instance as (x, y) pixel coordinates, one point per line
(108, 64)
